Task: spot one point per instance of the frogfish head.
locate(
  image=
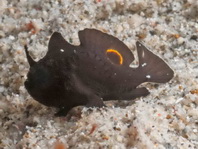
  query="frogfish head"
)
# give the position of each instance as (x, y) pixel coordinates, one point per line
(40, 82)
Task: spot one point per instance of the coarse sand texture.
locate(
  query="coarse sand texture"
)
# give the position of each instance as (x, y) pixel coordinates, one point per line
(165, 119)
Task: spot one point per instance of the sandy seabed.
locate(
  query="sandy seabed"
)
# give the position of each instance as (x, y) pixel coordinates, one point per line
(165, 119)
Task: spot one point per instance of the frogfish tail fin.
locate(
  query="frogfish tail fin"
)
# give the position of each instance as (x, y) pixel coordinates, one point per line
(152, 67)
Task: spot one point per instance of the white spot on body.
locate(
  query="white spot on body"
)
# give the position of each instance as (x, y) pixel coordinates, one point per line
(148, 76)
(74, 51)
(143, 54)
(115, 73)
(61, 50)
(144, 64)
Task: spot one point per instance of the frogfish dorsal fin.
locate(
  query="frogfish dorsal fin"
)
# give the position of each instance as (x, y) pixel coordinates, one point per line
(110, 46)
(57, 43)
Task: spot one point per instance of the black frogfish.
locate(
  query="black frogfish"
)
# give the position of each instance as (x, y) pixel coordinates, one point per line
(95, 71)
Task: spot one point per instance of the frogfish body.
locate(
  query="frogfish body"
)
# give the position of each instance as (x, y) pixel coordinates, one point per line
(95, 71)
